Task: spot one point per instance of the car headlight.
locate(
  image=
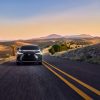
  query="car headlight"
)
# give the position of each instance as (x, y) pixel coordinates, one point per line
(19, 53)
(39, 52)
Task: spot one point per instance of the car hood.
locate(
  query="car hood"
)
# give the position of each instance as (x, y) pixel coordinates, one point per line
(30, 51)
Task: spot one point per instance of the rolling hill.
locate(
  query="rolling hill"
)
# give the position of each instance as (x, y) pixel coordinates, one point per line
(89, 54)
(79, 36)
(52, 36)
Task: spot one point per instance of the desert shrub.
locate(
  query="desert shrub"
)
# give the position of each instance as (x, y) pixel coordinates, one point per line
(51, 50)
(65, 47)
(56, 47)
(59, 47)
(7, 55)
(95, 60)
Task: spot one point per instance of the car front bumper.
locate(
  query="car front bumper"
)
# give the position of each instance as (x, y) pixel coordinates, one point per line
(29, 58)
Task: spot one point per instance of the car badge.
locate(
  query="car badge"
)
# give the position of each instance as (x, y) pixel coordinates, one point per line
(28, 54)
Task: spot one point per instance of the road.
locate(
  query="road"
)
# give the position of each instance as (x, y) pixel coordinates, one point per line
(56, 79)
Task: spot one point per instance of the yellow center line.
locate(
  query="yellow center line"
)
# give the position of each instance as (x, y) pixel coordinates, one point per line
(80, 92)
(75, 79)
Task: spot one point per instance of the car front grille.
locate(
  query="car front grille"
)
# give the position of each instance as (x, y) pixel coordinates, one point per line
(29, 57)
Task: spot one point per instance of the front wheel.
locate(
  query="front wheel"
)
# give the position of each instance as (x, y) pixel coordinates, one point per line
(40, 63)
(18, 63)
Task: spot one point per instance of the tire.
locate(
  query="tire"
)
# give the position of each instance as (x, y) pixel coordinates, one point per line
(40, 63)
(18, 63)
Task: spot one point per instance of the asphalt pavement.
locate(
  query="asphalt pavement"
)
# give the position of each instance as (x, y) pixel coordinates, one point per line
(56, 79)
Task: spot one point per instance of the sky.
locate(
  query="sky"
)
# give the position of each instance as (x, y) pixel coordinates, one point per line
(24, 19)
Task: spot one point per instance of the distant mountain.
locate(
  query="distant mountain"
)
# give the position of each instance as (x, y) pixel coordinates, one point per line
(56, 36)
(79, 36)
(4, 40)
(52, 36)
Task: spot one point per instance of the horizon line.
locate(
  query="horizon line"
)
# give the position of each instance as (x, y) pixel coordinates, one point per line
(40, 37)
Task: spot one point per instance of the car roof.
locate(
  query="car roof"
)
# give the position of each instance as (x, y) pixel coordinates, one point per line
(28, 45)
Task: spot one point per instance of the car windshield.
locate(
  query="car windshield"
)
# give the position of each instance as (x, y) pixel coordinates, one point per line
(29, 48)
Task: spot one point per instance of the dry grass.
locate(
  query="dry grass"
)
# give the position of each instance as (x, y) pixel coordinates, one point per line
(3, 48)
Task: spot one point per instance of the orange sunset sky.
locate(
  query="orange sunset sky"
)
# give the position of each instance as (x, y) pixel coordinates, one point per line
(24, 20)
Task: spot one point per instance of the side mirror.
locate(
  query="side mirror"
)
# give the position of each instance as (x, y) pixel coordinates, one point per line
(17, 49)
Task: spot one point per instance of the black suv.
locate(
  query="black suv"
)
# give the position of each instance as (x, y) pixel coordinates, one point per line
(29, 53)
